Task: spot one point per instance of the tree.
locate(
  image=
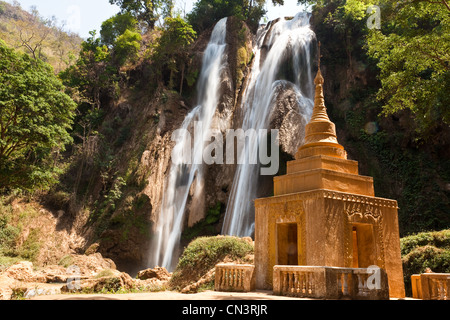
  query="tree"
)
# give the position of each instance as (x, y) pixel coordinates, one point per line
(172, 47)
(35, 116)
(65, 47)
(92, 75)
(32, 33)
(127, 46)
(120, 34)
(116, 26)
(207, 12)
(148, 11)
(413, 53)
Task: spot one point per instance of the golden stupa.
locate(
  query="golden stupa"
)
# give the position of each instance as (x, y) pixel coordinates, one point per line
(323, 213)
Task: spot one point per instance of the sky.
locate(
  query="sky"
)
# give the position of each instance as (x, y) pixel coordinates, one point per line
(82, 16)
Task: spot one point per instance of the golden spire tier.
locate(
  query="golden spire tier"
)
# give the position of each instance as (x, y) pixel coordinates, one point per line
(320, 132)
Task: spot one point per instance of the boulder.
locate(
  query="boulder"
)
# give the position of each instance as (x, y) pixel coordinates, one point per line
(23, 271)
(55, 274)
(92, 264)
(158, 273)
(290, 114)
(6, 286)
(111, 283)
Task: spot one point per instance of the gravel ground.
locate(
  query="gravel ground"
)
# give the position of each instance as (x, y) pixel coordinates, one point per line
(169, 295)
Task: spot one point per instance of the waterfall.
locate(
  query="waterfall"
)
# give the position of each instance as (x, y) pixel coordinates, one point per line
(184, 179)
(285, 41)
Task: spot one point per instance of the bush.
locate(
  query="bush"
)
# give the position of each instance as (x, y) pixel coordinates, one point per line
(439, 239)
(425, 250)
(29, 250)
(8, 235)
(204, 253)
(12, 222)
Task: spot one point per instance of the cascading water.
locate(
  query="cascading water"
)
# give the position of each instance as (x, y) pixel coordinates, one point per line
(183, 178)
(285, 42)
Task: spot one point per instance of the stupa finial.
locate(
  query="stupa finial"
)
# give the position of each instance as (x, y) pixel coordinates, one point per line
(320, 132)
(320, 111)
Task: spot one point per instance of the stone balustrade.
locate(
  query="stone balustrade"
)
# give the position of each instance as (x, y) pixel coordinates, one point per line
(304, 282)
(235, 277)
(431, 286)
(330, 283)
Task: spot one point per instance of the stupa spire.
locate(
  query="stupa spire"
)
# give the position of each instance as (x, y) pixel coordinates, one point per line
(320, 132)
(320, 110)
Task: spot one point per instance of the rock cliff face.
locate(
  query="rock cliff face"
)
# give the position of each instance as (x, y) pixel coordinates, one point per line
(116, 207)
(152, 121)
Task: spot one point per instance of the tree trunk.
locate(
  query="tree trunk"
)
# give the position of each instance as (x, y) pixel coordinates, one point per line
(182, 78)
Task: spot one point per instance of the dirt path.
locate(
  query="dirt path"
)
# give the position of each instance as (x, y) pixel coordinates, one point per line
(169, 295)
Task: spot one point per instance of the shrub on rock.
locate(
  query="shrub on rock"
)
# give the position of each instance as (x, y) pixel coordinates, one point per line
(203, 254)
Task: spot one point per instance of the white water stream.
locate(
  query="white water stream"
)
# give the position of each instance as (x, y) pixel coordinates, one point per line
(286, 39)
(183, 177)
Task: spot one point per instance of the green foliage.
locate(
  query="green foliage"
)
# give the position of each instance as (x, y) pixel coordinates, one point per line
(172, 50)
(148, 11)
(410, 177)
(177, 35)
(206, 12)
(31, 247)
(413, 50)
(66, 261)
(425, 250)
(438, 239)
(204, 253)
(207, 251)
(93, 75)
(116, 26)
(113, 196)
(127, 46)
(8, 232)
(35, 118)
(418, 260)
(131, 216)
(57, 200)
(104, 273)
(13, 246)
